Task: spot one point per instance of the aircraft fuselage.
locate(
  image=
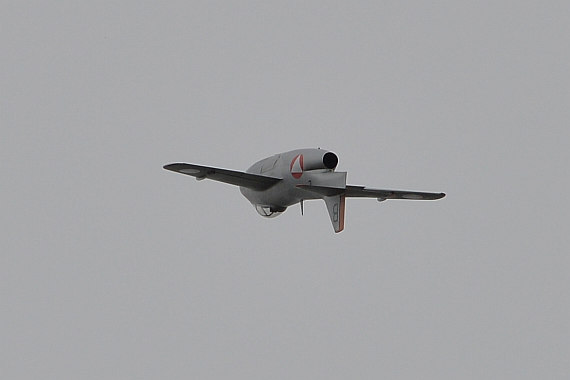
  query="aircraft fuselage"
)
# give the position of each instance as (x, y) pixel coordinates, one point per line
(296, 167)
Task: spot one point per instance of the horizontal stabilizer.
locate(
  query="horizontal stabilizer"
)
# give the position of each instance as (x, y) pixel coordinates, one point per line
(249, 180)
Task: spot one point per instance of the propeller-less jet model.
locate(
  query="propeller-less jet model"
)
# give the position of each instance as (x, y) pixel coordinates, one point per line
(285, 179)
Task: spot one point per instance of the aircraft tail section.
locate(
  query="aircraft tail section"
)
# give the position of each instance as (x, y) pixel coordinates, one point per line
(331, 187)
(336, 206)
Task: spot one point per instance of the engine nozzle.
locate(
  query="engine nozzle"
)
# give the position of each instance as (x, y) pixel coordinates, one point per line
(330, 160)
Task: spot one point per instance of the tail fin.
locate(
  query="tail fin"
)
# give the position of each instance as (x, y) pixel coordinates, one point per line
(331, 187)
(335, 206)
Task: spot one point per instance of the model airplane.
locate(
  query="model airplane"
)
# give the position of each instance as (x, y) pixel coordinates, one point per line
(285, 179)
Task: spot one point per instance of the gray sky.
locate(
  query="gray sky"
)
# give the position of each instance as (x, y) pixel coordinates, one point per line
(113, 268)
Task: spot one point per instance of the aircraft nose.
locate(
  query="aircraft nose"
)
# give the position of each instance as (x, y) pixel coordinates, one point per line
(330, 160)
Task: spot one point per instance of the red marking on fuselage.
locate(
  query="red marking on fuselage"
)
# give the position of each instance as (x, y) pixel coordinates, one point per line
(296, 167)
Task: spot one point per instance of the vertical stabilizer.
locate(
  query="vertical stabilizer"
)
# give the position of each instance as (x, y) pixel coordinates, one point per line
(335, 206)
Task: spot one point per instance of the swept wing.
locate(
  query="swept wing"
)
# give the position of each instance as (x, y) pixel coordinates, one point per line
(364, 192)
(249, 180)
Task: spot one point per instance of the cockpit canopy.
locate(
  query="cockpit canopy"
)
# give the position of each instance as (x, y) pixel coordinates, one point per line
(269, 211)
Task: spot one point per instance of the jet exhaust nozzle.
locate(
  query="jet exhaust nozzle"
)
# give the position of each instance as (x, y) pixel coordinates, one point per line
(314, 159)
(330, 160)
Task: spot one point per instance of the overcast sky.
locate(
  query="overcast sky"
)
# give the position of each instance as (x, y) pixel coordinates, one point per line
(113, 268)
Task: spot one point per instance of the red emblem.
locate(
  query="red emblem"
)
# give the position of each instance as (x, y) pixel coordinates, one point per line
(297, 166)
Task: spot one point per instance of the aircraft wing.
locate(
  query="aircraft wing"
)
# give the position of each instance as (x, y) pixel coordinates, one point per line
(249, 180)
(364, 192)
(335, 198)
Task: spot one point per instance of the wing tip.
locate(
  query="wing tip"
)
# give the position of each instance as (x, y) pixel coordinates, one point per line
(171, 166)
(183, 168)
